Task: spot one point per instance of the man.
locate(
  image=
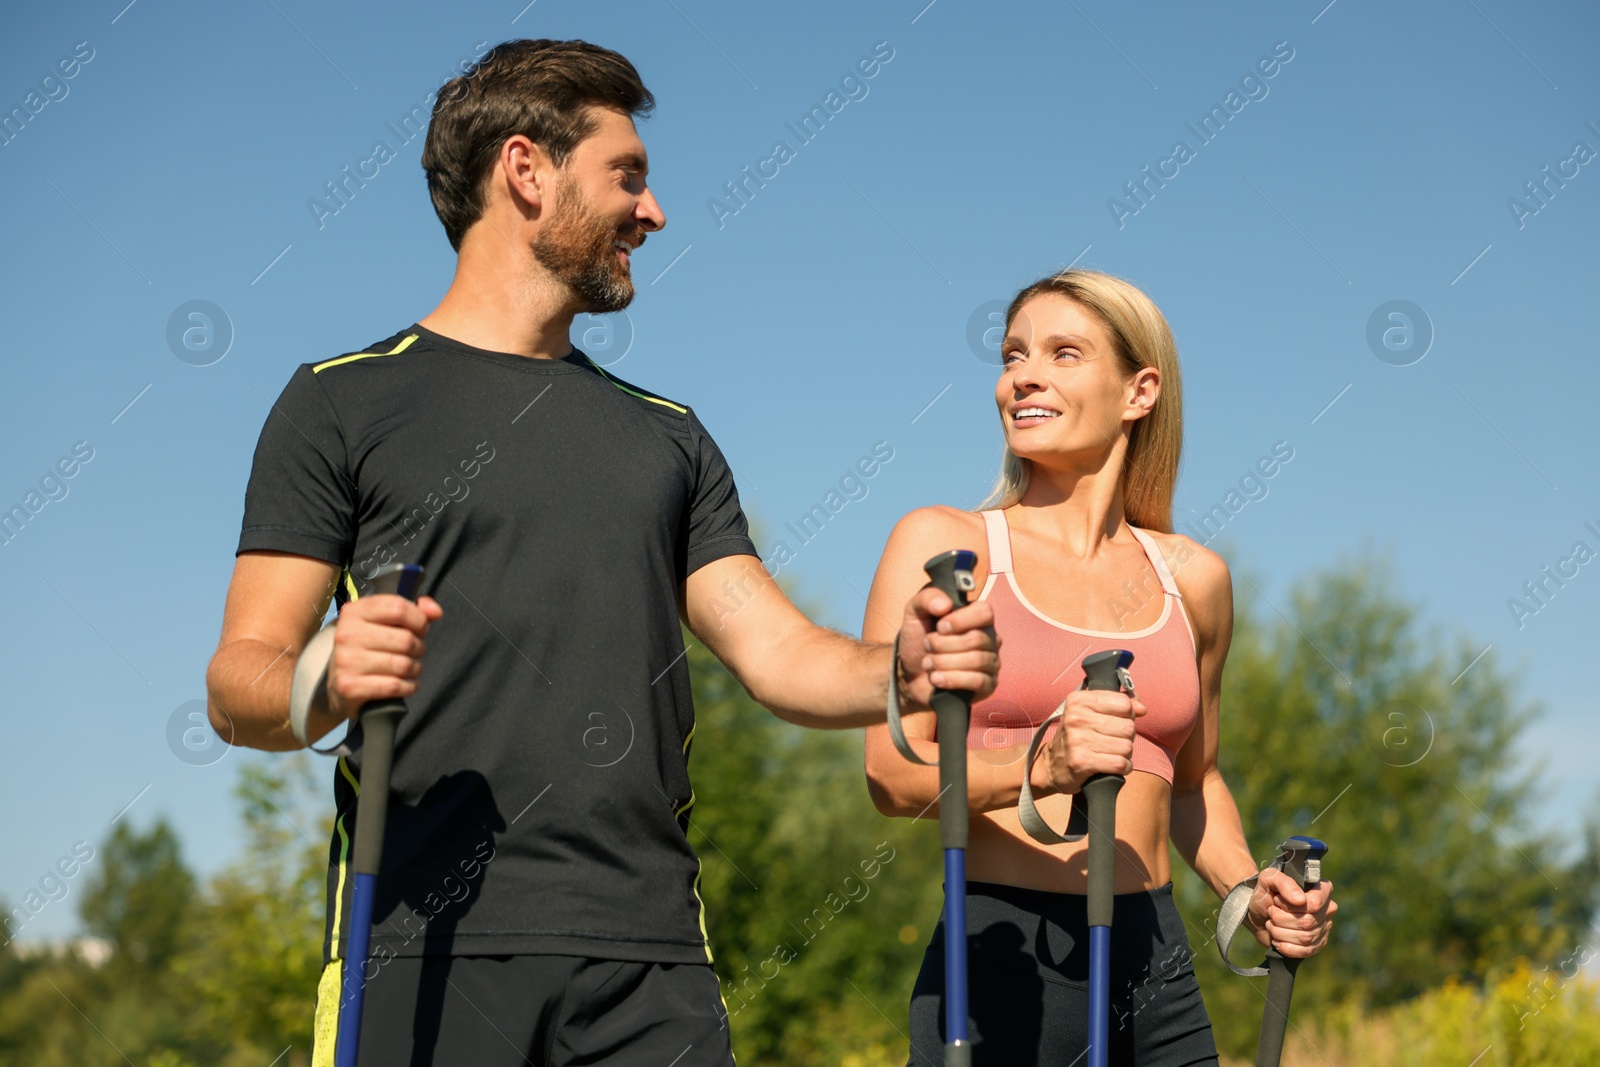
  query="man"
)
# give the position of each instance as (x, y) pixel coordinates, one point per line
(539, 900)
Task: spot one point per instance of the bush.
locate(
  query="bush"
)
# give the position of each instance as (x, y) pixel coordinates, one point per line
(1530, 1017)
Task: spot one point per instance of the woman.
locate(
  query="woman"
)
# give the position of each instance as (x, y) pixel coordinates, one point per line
(1076, 531)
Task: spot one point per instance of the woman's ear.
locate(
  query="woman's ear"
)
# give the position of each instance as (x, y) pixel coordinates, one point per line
(1144, 389)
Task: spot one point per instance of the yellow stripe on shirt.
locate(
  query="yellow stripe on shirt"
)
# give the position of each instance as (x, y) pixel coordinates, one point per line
(395, 351)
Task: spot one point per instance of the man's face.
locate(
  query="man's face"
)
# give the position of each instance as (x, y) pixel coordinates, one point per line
(599, 213)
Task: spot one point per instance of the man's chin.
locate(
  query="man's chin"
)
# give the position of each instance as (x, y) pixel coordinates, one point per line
(617, 294)
(607, 305)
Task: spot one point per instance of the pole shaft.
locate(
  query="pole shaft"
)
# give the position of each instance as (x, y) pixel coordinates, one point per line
(1275, 1017)
(1099, 994)
(951, 574)
(1101, 797)
(1281, 969)
(1098, 798)
(955, 943)
(353, 981)
(372, 813)
(954, 717)
(379, 720)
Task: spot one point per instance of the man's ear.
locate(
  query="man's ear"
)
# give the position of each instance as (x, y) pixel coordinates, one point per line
(526, 173)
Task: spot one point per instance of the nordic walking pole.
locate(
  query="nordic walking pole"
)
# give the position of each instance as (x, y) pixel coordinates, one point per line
(1302, 861)
(1094, 809)
(378, 721)
(951, 574)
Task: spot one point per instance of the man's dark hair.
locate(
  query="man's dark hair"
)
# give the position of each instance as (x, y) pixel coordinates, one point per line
(540, 89)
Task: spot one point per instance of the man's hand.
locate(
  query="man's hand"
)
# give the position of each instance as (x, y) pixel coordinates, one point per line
(1295, 921)
(377, 651)
(945, 649)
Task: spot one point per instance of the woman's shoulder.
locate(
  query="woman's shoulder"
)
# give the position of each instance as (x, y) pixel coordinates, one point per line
(1203, 579)
(925, 532)
(938, 519)
(1201, 574)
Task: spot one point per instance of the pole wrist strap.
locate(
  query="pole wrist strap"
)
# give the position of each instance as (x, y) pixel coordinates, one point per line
(1235, 906)
(897, 731)
(310, 681)
(1027, 812)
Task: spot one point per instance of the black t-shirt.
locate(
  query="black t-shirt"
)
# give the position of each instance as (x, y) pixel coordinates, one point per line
(540, 792)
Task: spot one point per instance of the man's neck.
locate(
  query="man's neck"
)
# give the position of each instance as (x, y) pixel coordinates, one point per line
(494, 304)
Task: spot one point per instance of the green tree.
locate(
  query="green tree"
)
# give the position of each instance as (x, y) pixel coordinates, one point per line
(138, 897)
(222, 978)
(252, 977)
(1343, 719)
(818, 908)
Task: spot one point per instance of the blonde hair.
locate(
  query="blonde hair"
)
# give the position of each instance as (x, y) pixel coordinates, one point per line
(1141, 337)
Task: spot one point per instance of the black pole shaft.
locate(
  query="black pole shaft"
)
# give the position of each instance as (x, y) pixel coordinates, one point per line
(378, 724)
(1100, 793)
(1275, 1017)
(1280, 982)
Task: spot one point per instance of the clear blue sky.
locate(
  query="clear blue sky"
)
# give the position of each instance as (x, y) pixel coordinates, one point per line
(1375, 165)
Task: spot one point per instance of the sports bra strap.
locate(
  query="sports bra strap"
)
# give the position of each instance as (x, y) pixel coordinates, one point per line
(1168, 585)
(999, 542)
(999, 535)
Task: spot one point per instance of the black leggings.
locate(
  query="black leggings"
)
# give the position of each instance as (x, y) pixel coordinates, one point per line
(1028, 983)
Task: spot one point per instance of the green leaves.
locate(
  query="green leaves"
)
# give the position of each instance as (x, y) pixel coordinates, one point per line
(223, 975)
(1343, 719)
(818, 907)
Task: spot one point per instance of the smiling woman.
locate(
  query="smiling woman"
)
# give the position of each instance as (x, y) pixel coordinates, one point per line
(1090, 404)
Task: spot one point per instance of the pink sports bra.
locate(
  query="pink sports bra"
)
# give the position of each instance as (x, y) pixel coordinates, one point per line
(1041, 663)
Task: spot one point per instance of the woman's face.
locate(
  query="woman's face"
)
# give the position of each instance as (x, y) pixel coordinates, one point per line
(1062, 390)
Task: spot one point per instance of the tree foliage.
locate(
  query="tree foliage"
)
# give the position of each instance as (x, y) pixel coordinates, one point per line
(220, 977)
(1341, 717)
(818, 908)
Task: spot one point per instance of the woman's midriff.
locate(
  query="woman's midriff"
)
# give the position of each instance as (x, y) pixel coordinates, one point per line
(1000, 850)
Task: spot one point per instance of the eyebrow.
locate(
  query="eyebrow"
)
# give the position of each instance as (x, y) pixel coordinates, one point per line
(1053, 340)
(634, 160)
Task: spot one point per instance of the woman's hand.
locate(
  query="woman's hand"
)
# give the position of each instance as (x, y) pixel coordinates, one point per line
(1094, 736)
(1295, 921)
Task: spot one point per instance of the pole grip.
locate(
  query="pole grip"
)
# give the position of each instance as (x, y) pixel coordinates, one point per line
(951, 573)
(1103, 670)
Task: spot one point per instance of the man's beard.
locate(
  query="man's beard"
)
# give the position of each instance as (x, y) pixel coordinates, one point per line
(576, 246)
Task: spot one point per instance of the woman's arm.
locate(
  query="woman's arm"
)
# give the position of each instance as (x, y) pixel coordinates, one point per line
(898, 786)
(1206, 828)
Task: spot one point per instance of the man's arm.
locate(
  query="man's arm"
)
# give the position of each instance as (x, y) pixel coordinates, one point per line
(812, 676)
(276, 601)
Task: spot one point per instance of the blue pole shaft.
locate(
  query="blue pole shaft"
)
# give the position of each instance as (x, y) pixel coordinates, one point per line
(353, 984)
(955, 945)
(1099, 994)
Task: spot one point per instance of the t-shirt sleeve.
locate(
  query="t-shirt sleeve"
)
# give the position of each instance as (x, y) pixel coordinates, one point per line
(717, 526)
(301, 497)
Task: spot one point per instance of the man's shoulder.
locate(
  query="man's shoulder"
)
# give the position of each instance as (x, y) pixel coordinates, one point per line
(654, 401)
(396, 344)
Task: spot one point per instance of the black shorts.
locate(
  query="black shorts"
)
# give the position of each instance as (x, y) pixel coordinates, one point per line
(1028, 983)
(543, 1011)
